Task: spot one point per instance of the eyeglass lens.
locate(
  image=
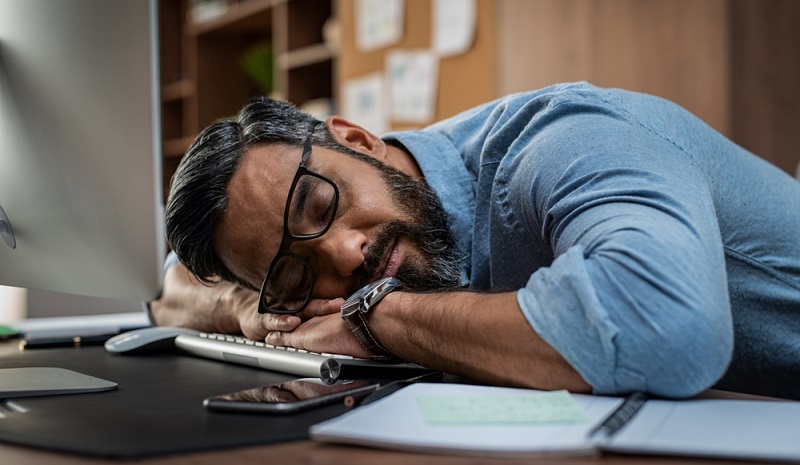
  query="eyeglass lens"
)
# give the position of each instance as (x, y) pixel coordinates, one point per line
(311, 211)
(289, 285)
(313, 202)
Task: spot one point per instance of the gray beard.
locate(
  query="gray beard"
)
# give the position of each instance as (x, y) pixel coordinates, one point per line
(439, 265)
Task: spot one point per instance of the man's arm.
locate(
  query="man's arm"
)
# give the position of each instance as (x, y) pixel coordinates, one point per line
(483, 337)
(223, 307)
(187, 302)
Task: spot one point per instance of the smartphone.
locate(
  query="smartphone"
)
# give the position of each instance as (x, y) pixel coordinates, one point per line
(292, 396)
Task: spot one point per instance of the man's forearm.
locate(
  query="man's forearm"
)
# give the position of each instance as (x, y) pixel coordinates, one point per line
(187, 302)
(484, 337)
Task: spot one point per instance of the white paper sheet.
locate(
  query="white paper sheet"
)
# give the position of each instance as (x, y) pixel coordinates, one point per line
(715, 428)
(365, 102)
(453, 26)
(379, 23)
(413, 80)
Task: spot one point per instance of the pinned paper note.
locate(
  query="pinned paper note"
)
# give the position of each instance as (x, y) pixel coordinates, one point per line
(379, 23)
(543, 408)
(453, 26)
(364, 102)
(412, 76)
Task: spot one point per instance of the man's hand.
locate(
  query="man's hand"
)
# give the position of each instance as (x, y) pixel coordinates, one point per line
(256, 326)
(219, 308)
(323, 330)
(187, 302)
(224, 307)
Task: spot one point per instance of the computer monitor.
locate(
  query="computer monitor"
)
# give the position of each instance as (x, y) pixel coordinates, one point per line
(80, 161)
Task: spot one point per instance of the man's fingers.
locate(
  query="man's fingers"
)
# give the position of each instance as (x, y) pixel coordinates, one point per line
(272, 322)
(257, 326)
(320, 307)
(278, 338)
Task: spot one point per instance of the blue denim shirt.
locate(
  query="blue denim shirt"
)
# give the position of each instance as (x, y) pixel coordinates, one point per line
(650, 251)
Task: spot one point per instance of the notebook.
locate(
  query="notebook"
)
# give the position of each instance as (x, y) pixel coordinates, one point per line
(481, 420)
(330, 367)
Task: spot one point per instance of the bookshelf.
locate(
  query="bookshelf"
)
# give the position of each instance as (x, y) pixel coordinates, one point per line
(202, 75)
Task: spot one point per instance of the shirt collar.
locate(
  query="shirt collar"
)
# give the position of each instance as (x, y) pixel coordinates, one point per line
(446, 173)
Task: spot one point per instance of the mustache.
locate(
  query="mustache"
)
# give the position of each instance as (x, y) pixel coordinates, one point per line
(433, 243)
(384, 238)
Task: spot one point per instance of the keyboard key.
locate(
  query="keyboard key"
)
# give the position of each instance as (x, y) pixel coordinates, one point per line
(249, 342)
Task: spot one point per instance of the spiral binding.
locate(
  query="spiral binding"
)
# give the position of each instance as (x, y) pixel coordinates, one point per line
(621, 415)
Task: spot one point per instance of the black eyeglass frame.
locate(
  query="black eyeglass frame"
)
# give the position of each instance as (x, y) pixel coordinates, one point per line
(288, 238)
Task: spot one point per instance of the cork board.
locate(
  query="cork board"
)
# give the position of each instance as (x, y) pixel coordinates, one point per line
(465, 80)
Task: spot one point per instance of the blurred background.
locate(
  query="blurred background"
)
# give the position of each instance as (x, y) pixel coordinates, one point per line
(397, 64)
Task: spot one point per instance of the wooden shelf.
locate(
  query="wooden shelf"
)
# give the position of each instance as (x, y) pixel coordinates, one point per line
(245, 17)
(203, 78)
(176, 91)
(305, 56)
(175, 148)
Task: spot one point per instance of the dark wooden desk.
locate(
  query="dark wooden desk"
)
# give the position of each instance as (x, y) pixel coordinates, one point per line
(308, 452)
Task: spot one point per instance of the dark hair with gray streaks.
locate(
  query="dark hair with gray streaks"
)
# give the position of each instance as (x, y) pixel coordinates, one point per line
(198, 196)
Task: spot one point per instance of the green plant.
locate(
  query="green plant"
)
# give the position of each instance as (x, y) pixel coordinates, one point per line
(256, 63)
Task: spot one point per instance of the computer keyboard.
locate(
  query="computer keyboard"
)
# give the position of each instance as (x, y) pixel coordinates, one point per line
(250, 342)
(243, 351)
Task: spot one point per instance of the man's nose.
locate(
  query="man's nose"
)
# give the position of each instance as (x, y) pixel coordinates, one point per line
(341, 251)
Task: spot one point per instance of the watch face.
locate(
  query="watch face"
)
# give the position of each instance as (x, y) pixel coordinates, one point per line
(361, 292)
(370, 287)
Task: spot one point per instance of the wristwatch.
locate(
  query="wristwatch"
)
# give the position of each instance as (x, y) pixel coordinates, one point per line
(356, 308)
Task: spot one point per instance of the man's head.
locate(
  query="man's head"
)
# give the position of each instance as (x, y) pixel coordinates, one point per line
(225, 210)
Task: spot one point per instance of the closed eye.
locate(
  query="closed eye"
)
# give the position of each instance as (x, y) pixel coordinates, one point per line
(299, 197)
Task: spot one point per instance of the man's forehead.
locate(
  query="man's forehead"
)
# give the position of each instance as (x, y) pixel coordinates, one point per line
(262, 177)
(265, 161)
(249, 231)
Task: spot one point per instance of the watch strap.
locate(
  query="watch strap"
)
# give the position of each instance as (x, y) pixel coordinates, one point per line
(356, 309)
(358, 325)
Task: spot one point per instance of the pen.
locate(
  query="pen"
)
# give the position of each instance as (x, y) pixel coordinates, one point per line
(394, 386)
(75, 341)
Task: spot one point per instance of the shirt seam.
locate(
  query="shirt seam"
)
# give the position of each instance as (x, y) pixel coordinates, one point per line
(633, 119)
(766, 268)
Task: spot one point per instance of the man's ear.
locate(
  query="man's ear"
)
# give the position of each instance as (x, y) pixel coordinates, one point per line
(356, 138)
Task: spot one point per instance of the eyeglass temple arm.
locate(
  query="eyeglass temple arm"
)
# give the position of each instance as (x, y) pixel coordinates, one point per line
(307, 144)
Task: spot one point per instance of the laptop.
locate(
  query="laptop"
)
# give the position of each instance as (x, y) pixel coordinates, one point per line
(290, 360)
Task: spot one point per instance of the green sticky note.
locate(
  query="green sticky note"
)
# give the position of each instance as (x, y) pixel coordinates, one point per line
(555, 407)
(7, 332)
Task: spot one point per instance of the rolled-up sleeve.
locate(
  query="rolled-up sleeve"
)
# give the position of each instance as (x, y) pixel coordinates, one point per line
(636, 297)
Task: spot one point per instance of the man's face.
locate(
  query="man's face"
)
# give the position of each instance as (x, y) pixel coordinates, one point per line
(387, 224)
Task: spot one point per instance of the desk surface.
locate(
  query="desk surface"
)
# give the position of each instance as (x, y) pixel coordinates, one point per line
(305, 452)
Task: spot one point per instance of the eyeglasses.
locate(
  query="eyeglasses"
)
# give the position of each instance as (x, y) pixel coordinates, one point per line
(309, 213)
